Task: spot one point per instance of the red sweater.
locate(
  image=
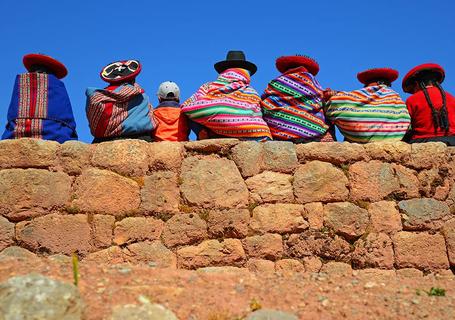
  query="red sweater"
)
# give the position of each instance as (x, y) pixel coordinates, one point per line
(420, 112)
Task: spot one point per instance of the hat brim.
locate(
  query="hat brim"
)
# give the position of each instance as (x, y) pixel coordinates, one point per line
(372, 75)
(55, 66)
(228, 64)
(413, 75)
(286, 63)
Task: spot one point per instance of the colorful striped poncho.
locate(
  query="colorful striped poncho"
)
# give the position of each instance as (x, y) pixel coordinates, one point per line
(370, 114)
(119, 111)
(229, 107)
(40, 108)
(292, 107)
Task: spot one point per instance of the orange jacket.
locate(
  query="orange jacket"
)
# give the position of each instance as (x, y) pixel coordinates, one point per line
(172, 124)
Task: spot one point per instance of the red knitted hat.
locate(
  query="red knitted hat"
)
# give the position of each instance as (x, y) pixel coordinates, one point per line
(417, 72)
(121, 71)
(285, 63)
(55, 66)
(372, 75)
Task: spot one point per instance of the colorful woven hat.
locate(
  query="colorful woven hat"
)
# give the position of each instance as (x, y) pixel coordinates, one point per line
(235, 59)
(285, 63)
(33, 60)
(121, 71)
(373, 75)
(420, 71)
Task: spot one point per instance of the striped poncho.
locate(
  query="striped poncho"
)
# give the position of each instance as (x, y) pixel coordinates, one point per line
(370, 114)
(292, 107)
(229, 107)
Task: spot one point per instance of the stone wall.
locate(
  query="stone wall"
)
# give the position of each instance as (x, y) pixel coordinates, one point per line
(265, 206)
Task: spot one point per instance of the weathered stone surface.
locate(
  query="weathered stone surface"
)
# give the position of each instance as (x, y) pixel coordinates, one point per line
(165, 155)
(278, 218)
(435, 182)
(420, 250)
(184, 229)
(423, 214)
(375, 251)
(65, 234)
(137, 229)
(146, 311)
(153, 253)
(161, 193)
(268, 246)
(220, 146)
(451, 199)
(449, 234)
(248, 156)
(409, 273)
(103, 191)
(346, 219)
(228, 223)
(333, 268)
(314, 243)
(314, 214)
(102, 227)
(389, 151)
(384, 217)
(372, 181)
(266, 314)
(17, 253)
(34, 296)
(74, 156)
(333, 152)
(280, 156)
(260, 266)
(111, 255)
(271, 187)
(213, 183)
(212, 253)
(427, 155)
(28, 153)
(6, 233)
(408, 181)
(375, 275)
(289, 266)
(312, 264)
(126, 157)
(32, 192)
(320, 181)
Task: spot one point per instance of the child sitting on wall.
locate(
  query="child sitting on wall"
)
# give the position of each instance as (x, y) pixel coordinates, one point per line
(121, 110)
(172, 124)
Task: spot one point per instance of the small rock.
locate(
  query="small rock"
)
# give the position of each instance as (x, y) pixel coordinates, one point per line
(370, 285)
(265, 314)
(143, 312)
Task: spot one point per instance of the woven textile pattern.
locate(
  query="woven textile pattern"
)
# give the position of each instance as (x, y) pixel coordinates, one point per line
(373, 113)
(229, 107)
(292, 107)
(119, 110)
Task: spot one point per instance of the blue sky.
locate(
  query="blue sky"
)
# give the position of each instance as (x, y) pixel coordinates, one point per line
(181, 40)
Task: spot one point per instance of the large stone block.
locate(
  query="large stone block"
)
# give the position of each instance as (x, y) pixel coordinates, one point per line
(449, 234)
(248, 156)
(280, 156)
(260, 266)
(333, 152)
(408, 181)
(420, 250)
(137, 229)
(314, 213)
(346, 219)
(271, 187)
(268, 246)
(384, 217)
(423, 214)
(213, 183)
(161, 193)
(286, 266)
(278, 218)
(102, 191)
(6, 233)
(212, 253)
(32, 192)
(220, 146)
(75, 156)
(320, 181)
(165, 155)
(389, 151)
(64, 234)
(154, 253)
(228, 223)
(28, 153)
(126, 157)
(427, 155)
(374, 251)
(184, 229)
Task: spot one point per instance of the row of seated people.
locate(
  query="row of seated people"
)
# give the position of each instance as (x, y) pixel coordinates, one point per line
(294, 106)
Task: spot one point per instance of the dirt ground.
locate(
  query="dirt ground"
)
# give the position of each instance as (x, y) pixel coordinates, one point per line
(231, 293)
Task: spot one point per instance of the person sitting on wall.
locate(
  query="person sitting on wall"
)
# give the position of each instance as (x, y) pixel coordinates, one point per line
(172, 124)
(432, 109)
(228, 106)
(373, 113)
(40, 107)
(121, 110)
(292, 103)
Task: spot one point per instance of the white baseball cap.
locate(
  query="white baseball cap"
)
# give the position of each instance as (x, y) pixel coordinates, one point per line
(168, 89)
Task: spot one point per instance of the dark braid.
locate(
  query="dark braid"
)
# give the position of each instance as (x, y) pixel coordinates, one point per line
(443, 113)
(434, 112)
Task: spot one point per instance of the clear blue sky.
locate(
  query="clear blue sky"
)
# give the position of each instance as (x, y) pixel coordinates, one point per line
(181, 40)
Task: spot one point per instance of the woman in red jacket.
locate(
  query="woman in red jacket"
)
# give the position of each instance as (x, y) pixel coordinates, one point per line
(432, 109)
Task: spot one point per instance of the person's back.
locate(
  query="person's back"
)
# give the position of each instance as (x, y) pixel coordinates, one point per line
(172, 124)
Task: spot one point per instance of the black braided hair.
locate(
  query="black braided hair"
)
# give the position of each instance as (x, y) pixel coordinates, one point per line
(434, 112)
(443, 113)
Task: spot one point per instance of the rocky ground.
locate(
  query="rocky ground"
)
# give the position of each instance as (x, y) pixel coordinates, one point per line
(233, 293)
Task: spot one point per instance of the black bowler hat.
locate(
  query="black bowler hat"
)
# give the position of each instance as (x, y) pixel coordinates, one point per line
(235, 59)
